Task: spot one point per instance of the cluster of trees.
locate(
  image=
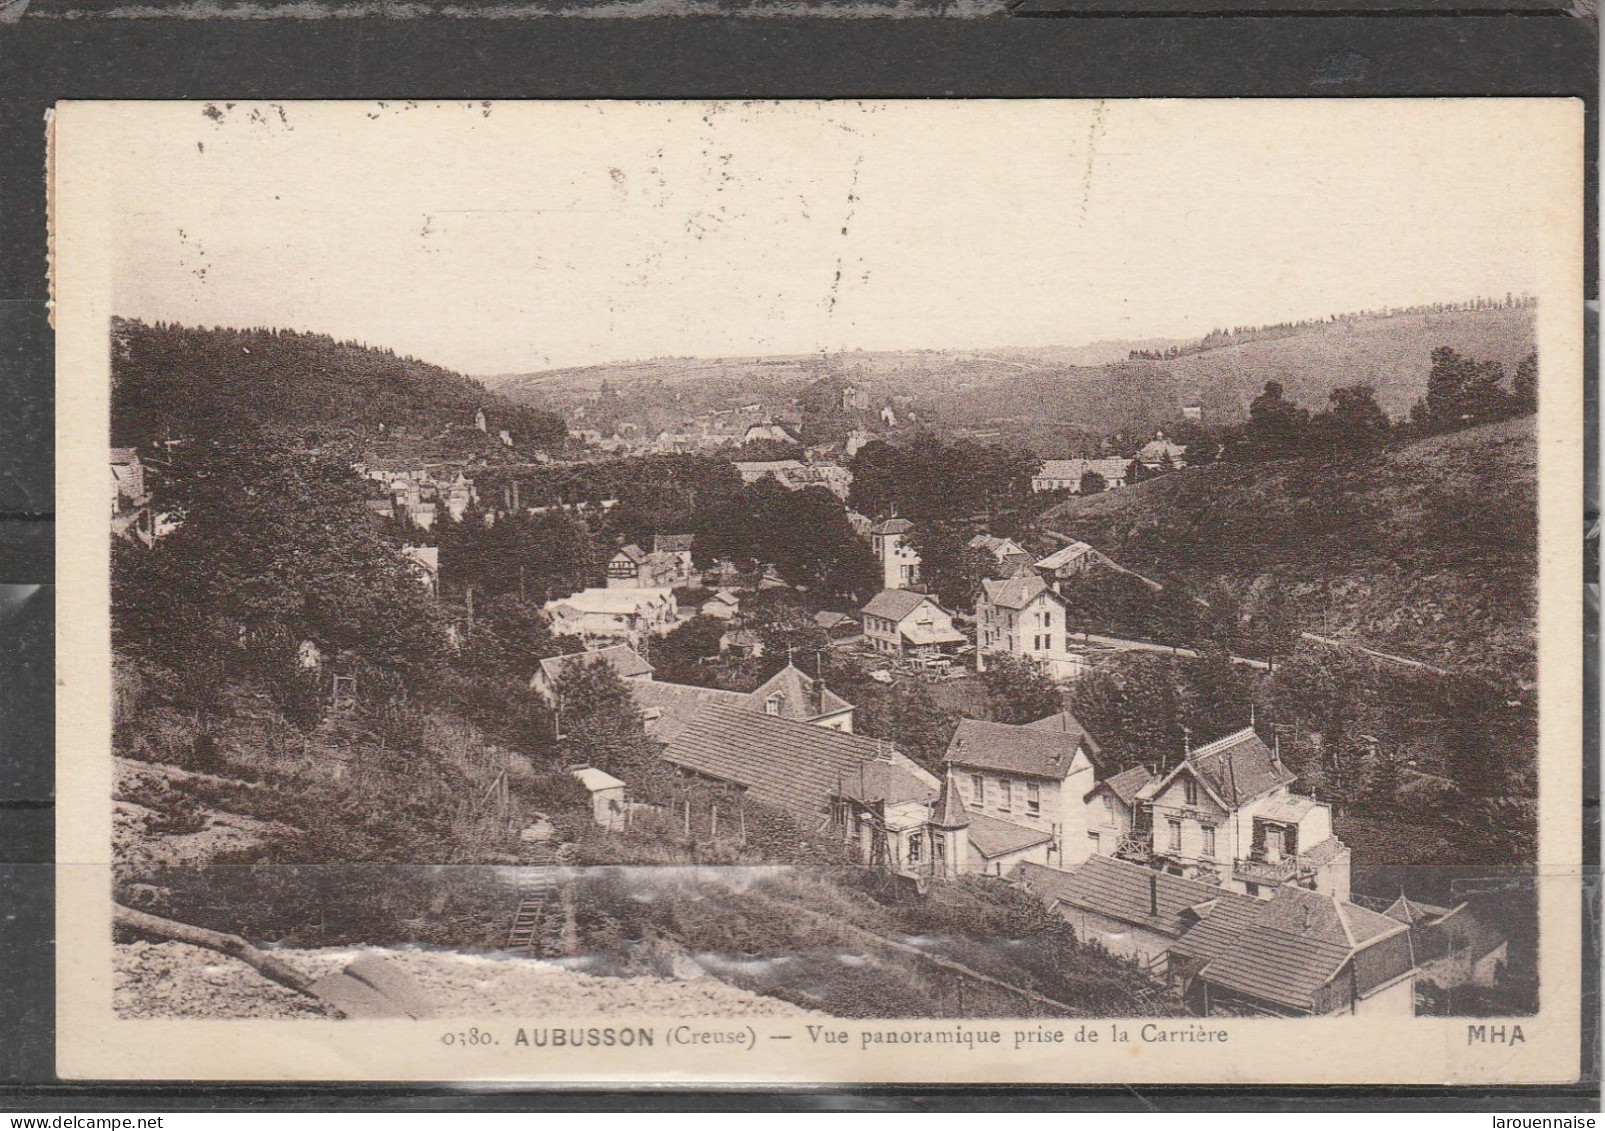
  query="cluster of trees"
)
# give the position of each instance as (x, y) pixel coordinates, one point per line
(804, 534)
(927, 479)
(536, 557)
(656, 493)
(183, 381)
(1462, 392)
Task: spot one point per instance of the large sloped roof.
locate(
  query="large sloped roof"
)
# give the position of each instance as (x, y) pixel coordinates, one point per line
(799, 697)
(669, 707)
(790, 765)
(1296, 942)
(1029, 750)
(893, 526)
(1017, 592)
(1063, 556)
(992, 837)
(1239, 767)
(624, 660)
(1125, 784)
(1130, 893)
(895, 604)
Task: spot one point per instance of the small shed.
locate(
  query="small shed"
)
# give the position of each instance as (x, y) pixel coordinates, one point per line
(607, 796)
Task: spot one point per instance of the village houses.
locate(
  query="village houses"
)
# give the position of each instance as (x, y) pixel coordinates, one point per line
(627, 615)
(1023, 617)
(1025, 790)
(1066, 474)
(626, 662)
(1295, 953)
(666, 566)
(911, 625)
(900, 562)
(1227, 814)
(1010, 556)
(1161, 454)
(1067, 563)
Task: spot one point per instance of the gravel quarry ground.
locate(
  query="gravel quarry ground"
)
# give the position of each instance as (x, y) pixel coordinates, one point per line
(168, 980)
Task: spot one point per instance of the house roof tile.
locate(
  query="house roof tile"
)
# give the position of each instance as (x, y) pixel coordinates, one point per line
(1032, 751)
(895, 604)
(626, 661)
(992, 837)
(786, 764)
(1016, 592)
(1130, 893)
(1239, 768)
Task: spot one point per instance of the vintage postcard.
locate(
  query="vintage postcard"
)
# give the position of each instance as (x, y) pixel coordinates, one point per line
(794, 592)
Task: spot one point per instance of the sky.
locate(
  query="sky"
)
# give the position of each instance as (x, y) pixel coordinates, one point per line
(512, 237)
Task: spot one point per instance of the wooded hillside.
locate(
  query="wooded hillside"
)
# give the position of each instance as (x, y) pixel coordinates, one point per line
(176, 381)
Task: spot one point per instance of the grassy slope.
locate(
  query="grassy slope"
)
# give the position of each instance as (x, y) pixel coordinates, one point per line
(1429, 551)
(1092, 386)
(1391, 354)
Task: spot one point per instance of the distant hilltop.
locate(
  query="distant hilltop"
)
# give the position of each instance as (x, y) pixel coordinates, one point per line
(1103, 388)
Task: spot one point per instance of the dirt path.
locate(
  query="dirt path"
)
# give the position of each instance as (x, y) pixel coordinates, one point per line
(177, 980)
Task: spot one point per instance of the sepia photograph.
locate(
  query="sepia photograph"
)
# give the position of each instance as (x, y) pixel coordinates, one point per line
(820, 590)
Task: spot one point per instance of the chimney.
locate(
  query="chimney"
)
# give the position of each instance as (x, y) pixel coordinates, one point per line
(1153, 892)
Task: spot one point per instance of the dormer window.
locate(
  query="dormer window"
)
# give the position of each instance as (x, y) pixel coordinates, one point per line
(772, 705)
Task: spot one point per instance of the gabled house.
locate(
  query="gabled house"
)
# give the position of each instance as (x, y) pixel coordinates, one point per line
(900, 563)
(632, 567)
(841, 787)
(1067, 563)
(1025, 789)
(622, 614)
(1160, 454)
(774, 430)
(792, 694)
(425, 562)
(1066, 474)
(835, 624)
(625, 661)
(724, 604)
(790, 765)
(1112, 806)
(1298, 953)
(1023, 617)
(1453, 945)
(625, 567)
(131, 517)
(1010, 556)
(903, 623)
(1227, 814)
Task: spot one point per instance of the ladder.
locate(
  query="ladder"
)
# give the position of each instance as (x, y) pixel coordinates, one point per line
(536, 885)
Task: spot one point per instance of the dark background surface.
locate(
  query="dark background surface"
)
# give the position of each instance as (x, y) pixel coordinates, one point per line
(1525, 48)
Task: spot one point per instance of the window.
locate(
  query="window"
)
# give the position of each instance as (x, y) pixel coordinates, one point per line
(1033, 799)
(978, 789)
(1108, 810)
(1005, 794)
(1189, 789)
(1175, 834)
(1209, 842)
(914, 848)
(771, 705)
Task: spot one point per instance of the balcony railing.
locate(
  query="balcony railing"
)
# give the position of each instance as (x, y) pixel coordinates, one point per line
(1269, 872)
(1135, 847)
